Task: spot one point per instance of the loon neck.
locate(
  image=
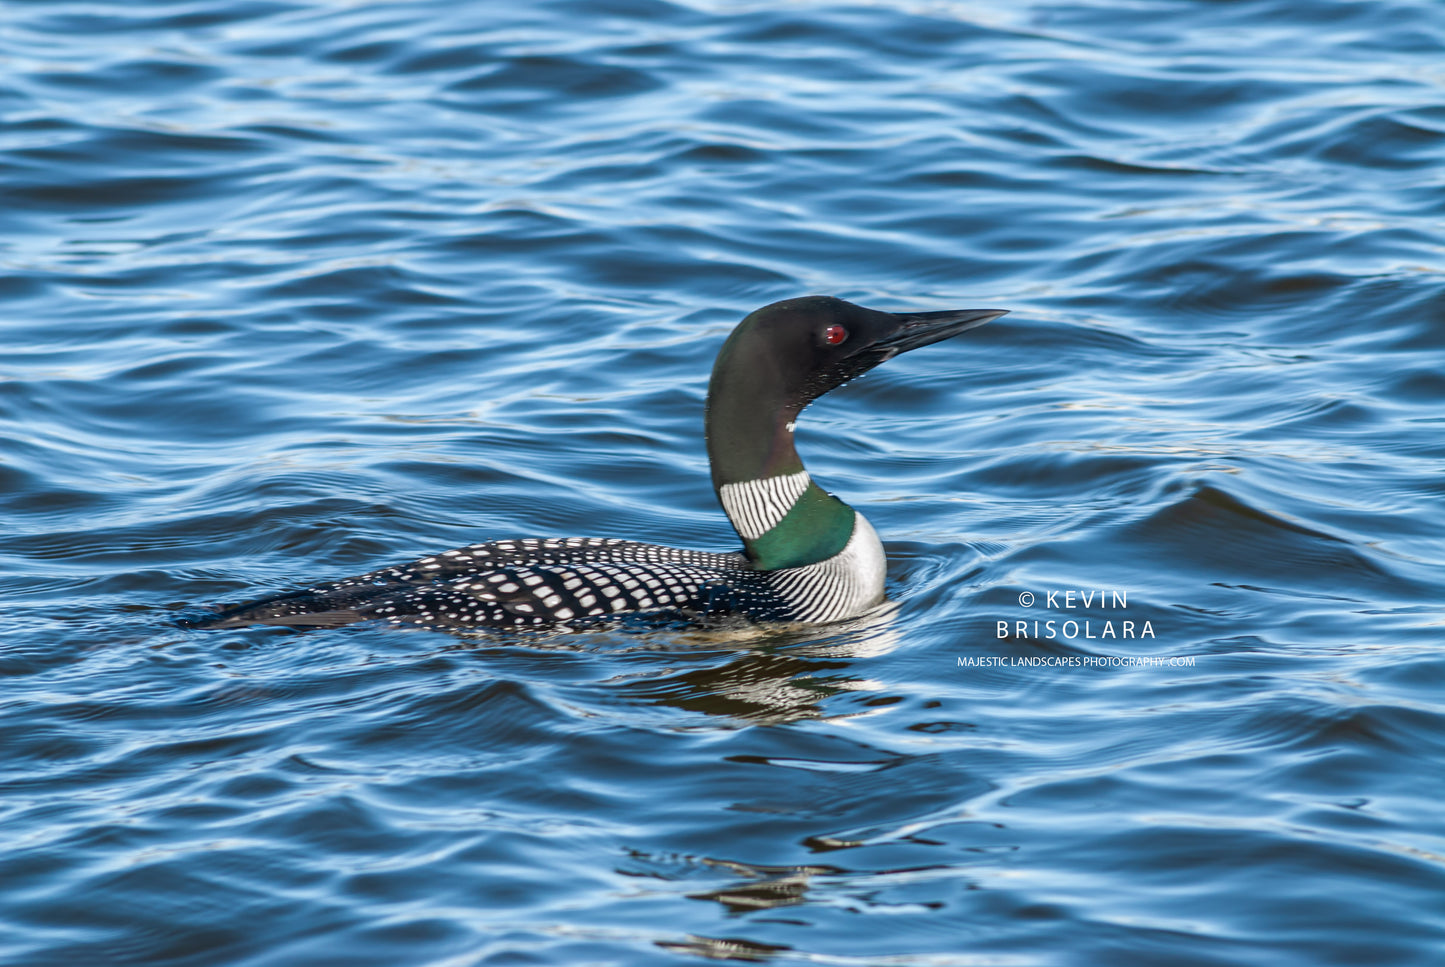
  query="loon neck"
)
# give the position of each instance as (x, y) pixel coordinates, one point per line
(777, 360)
(784, 519)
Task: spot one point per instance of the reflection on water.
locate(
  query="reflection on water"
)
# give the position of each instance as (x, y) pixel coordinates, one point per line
(767, 677)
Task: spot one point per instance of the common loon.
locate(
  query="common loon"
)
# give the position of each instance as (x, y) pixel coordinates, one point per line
(807, 556)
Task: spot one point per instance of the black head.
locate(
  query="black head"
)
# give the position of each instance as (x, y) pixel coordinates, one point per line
(783, 356)
(794, 351)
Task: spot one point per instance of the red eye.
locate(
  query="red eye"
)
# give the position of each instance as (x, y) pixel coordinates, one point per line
(833, 335)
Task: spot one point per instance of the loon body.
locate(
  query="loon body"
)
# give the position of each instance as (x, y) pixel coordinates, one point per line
(807, 556)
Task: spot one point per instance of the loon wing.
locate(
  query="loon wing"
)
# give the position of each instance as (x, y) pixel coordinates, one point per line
(523, 584)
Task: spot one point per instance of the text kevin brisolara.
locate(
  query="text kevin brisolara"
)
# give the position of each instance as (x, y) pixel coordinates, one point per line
(1069, 627)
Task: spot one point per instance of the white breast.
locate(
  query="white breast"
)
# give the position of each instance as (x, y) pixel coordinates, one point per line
(846, 584)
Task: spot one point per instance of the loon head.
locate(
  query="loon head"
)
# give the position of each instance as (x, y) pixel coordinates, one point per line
(792, 352)
(778, 360)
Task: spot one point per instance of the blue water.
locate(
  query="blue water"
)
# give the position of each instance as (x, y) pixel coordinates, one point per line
(292, 290)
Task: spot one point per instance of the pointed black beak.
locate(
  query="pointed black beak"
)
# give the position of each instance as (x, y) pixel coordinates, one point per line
(917, 329)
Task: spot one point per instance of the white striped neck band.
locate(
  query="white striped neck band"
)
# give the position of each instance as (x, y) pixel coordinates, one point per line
(757, 506)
